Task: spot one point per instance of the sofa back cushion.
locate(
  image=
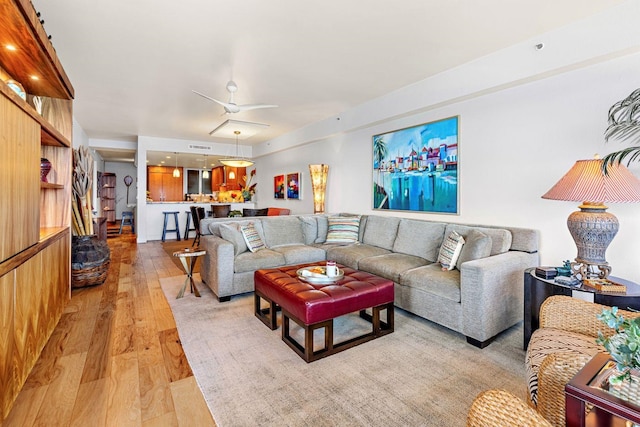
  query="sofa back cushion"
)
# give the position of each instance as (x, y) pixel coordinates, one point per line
(381, 231)
(309, 229)
(476, 245)
(419, 238)
(282, 230)
(500, 238)
(231, 233)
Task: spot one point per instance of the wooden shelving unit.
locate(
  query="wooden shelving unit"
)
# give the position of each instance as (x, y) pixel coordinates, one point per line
(108, 196)
(35, 251)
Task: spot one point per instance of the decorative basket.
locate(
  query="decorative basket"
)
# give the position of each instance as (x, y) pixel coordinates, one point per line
(90, 259)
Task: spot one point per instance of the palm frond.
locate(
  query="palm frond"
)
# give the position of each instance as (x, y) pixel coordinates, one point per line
(631, 154)
(624, 119)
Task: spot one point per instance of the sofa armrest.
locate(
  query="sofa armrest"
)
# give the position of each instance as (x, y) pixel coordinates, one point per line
(492, 293)
(217, 266)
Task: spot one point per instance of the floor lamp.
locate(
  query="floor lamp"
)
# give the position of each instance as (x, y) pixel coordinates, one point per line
(592, 228)
(319, 185)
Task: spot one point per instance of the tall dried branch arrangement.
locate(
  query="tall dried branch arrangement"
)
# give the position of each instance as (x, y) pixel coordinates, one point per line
(82, 216)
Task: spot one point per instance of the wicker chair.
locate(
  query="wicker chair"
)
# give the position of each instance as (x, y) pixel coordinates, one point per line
(499, 408)
(564, 343)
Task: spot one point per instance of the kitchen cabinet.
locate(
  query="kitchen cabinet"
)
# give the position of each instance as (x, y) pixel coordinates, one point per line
(35, 216)
(163, 186)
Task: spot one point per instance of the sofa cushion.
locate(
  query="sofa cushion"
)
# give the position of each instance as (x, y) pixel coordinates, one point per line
(343, 229)
(231, 233)
(352, 254)
(500, 238)
(299, 254)
(381, 231)
(282, 230)
(419, 238)
(476, 245)
(251, 237)
(546, 341)
(432, 279)
(450, 250)
(390, 266)
(323, 228)
(251, 261)
(309, 229)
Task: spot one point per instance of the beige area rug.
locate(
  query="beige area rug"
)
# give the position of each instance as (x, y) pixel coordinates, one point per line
(420, 375)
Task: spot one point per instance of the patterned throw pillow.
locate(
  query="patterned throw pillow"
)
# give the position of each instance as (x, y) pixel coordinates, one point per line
(450, 250)
(251, 237)
(343, 229)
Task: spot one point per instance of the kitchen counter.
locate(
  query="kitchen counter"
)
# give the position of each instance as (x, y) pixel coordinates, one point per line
(155, 218)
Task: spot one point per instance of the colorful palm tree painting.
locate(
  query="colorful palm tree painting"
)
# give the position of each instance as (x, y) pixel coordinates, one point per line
(416, 168)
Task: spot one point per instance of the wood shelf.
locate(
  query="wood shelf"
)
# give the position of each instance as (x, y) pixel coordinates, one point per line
(50, 185)
(34, 54)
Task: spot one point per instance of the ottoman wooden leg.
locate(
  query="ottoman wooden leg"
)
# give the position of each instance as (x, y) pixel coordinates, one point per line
(268, 316)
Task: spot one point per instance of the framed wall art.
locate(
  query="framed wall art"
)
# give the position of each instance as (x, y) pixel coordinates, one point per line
(278, 187)
(293, 186)
(416, 168)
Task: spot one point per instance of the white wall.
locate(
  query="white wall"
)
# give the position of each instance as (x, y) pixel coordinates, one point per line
(516, 141)
(121, 170)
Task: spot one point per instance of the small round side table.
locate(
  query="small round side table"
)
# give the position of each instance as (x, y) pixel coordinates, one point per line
(188, 258)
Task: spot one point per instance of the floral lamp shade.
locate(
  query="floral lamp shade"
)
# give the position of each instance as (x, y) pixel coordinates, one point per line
(319, 175)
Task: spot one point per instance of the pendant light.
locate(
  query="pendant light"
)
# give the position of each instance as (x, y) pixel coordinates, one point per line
(205, 173)
(176, 171)
(236, 162)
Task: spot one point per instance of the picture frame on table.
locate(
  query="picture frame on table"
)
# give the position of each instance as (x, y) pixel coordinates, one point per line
(279, 187)
(294, 186)
(416, 168)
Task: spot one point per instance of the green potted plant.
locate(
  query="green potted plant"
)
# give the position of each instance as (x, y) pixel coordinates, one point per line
(624, 124)
(623, 346)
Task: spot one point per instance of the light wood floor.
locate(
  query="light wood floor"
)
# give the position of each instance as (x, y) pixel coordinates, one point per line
(115, 358)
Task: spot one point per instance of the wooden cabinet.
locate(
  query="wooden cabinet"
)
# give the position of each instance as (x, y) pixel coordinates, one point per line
(107, 184)
(35, 216)
(163, 186)
(234, 177)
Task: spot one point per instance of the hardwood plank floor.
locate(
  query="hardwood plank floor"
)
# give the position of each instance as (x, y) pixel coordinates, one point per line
(115, 357)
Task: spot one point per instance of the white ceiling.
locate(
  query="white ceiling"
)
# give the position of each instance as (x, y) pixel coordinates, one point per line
(134, 64)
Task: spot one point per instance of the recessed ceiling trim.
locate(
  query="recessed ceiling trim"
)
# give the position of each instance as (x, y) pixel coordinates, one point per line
(247, 129)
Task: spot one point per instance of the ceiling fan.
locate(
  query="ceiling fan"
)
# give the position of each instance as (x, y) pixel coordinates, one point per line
(231, 107)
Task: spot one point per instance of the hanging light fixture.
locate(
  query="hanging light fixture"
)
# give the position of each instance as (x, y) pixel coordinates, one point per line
(205, 174)
(237, 161)
(176, 171)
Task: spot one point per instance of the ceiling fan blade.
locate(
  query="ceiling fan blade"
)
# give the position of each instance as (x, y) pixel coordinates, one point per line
(246, 107)
(224, 104)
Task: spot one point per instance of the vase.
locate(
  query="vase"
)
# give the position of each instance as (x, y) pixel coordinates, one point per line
(246, 196)
(45, 167)
(90, 258)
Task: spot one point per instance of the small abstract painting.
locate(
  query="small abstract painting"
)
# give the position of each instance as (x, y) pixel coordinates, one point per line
(278, 187)
(416, 168)
(293, 186)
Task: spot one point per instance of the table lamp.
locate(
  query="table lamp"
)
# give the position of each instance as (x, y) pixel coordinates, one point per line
(592, 228)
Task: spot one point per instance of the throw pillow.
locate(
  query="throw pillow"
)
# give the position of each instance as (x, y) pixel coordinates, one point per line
(343, 229)
(450, 250)
(476, 245)
(232, 234)
(251, 237)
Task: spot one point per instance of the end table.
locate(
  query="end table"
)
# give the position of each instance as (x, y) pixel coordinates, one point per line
(188, 257)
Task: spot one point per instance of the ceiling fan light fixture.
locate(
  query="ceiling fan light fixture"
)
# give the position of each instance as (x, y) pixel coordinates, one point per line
(236, 162)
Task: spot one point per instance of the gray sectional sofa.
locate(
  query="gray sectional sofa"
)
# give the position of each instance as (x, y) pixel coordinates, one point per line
(480, 298)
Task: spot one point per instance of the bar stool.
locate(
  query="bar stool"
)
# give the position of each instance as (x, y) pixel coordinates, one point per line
(197, 213)
(166, 230)
(188, 227)
(127, 219)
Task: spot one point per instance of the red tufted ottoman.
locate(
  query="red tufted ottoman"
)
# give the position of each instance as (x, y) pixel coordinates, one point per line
(315, 306)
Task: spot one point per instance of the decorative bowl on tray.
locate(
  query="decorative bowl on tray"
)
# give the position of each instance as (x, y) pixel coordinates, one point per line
(316, 275)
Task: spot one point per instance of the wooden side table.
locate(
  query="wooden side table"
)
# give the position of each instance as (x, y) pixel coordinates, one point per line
(188, 258)
(537, 289)
(608, 410)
